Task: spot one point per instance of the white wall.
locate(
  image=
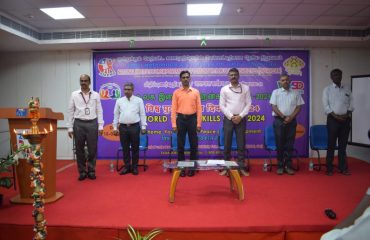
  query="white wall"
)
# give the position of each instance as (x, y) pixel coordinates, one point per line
(54, 75)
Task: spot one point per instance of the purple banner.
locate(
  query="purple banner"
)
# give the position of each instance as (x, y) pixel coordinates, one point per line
(155, 75)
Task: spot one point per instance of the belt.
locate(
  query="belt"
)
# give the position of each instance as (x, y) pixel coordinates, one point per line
(186, 115)
(128, 124)
(85, 120)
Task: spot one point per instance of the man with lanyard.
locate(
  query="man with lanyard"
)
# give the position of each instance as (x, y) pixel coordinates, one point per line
(338, 105)
(129, 112)
(286, 104)
(186, 117)
(85, 122)
(235, 102)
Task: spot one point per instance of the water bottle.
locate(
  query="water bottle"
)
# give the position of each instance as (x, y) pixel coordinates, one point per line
(111, 166)
(265, 166)
(310, 165)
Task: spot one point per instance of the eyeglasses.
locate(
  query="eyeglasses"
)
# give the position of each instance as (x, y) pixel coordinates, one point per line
(128, 89)
(238, 89)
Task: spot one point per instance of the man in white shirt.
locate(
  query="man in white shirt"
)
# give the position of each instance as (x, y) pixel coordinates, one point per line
(129, 114)
(235, 101)
(286, 104)
(338, 105)
(356, 226)
(85, 122)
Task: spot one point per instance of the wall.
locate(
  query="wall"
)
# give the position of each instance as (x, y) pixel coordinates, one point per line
(54, 75)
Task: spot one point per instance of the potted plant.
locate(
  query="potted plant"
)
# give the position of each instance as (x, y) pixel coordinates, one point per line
(6, 166)
(135, 235)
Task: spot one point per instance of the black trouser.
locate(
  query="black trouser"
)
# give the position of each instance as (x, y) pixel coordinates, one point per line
(239, 129)
(129, 135)
(284, 138)
(187, 124)
(337, 130)
(86, 133)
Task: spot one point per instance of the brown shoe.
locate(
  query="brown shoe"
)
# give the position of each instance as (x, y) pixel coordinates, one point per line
(289, 171)
(223, 173)
(244, 173)
(280, 171)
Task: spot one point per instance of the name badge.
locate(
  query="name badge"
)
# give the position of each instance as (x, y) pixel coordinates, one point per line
(87, 111)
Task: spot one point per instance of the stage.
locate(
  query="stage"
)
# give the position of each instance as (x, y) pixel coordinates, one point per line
(275, 207)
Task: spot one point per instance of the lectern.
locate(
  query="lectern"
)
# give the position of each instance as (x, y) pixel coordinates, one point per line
(17, 121)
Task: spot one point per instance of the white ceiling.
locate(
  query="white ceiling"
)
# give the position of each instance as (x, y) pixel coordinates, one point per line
(133, 14)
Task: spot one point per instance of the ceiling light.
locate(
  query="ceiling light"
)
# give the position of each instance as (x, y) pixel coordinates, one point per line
(211, 9)
(62, 13)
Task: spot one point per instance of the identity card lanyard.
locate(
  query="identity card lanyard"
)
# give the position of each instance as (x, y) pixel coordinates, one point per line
(87, 110)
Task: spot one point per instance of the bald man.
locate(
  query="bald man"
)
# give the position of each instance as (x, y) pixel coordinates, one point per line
(85, 122)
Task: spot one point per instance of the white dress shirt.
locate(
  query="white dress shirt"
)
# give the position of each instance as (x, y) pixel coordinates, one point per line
(286, 100)
(360, 230)
(77, 108)
(129, 112)
(337, 99)
(235, 100)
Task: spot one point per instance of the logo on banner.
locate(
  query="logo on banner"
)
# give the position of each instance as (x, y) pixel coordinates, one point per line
(293, 65)
(105, 67)
(109, 91)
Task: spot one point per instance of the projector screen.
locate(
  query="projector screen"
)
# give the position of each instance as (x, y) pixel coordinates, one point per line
(361, 114)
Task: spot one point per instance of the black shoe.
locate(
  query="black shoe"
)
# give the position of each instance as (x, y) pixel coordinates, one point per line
(191, 173)
(82, 177)
(183, 173)
(135, 171)
(329, 173)
(91, 176)
(124, 171)
(345, 172)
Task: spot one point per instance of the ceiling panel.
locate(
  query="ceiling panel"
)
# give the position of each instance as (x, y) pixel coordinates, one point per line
(168, 10)
(235, 20)
(245, 9)
(311, 9)
(327, 21)
(344, 10)
(266, 20)
(107, 22)
(132, 11)
(163, 21)
(275, 9)
(139, 21)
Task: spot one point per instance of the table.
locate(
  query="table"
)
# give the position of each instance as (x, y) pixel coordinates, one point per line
(231, 167)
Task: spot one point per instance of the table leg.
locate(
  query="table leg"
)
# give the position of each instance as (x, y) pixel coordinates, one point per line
(238, 182)
(175, 177)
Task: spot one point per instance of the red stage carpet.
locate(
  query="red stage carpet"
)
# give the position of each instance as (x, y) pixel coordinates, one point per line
(275, 207)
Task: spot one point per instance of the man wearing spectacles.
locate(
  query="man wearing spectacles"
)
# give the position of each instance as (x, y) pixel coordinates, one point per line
(186, 117)
(129, 114)
(85, 122)
(286, 104)
(235, 101)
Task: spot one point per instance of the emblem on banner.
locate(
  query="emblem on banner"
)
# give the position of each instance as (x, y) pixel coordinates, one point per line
(109, 91)
(105, 67)
(293, 65)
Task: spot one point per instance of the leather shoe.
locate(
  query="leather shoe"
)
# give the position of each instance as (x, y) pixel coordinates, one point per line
(345, 172)
(289, 171)
(223, 173)
(183, 173)
(124, 171)
(191, 173)
(280, 171)
(244, 173)
(329, 173)
(91, 176)
(82, 177)
(135, 171)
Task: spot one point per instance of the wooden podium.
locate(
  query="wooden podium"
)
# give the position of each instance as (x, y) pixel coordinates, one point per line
(47, 118)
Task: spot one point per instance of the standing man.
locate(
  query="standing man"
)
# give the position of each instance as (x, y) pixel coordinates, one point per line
(129, 114)
(186, 117)
(286, 104)
(85, 122)
(235, 101)
(338, 106)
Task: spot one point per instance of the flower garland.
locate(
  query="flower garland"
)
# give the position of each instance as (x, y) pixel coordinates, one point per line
(33, 155)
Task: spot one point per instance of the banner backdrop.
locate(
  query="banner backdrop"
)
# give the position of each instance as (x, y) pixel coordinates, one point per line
(155, 75)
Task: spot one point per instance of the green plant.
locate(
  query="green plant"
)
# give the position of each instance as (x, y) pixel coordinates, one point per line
(135, 235)
(7, 162)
